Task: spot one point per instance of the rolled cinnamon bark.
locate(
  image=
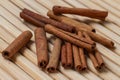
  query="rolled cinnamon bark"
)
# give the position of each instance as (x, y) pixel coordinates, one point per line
(41, 47)
(97, 14)
(64, 55)
(54, 58)
(17, 44)
(79, 38)
(92, 54)
(78, 25)
(51, 29)
(77, 58)
(100, 39)
(69, 55)
(31, 20)
(99, 58)
(48, 21)
(82, 55)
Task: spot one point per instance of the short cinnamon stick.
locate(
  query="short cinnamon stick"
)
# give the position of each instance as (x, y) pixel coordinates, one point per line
(51, 29)
(99, 58)
(54, 58)
(69, 56)
(41, 47)
(78, 25)
(17, 44)
(63, 55)
(97, 14)
(82, 55)
(48, 21)
(77, 58)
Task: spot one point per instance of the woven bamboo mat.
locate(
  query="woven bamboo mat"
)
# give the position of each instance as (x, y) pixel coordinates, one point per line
(25, 67)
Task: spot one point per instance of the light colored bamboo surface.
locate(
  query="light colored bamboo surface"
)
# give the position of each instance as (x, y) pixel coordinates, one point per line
(25, 67)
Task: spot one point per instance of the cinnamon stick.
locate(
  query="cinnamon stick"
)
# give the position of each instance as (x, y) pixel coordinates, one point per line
(41, 47)
(69, 56)
(77, 58)
(92, 54)
(100, 39)
(99, 58)
(17, 44)
(79, 38)
(82, 55)
(48, 21)
(51, 29)
(54, 58)
(97, 14)
(63, 55)
(78, 25)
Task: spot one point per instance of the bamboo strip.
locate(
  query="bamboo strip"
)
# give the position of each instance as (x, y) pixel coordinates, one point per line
(12, 69)
(112, 4)
(26, 52)
(5, 76)
(26, 65)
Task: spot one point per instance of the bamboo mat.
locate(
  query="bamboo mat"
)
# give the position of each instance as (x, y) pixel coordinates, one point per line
(25, 67)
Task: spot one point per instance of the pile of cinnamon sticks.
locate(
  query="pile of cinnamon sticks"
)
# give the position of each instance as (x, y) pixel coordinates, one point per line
(75, 40)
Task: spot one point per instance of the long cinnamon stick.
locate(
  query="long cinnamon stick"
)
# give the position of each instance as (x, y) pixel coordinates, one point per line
(82, 55)
(78, 25)
(81, 11)
(92, 54)
(79, 38)
(54, 58)
(48, 21)
(41, 47)
(77, 58)
(63, 55)
(69, 56)
(56, 32)
(17, 44)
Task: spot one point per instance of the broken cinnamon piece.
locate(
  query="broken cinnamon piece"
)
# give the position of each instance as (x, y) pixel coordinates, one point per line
(97, 14)
(41, 47)
(54, 58)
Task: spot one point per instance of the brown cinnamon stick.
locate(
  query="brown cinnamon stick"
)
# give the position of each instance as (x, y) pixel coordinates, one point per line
(41, 47)
(48, 21)
(64, 55)
(92, 54)
(77, 58)
(81, 11)
(54, 58)
(78, 25)
(69, 55)
(17, 44)
(79, 38)
(100, 39)
(51, 29)
(82, 55)
(99, 58)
